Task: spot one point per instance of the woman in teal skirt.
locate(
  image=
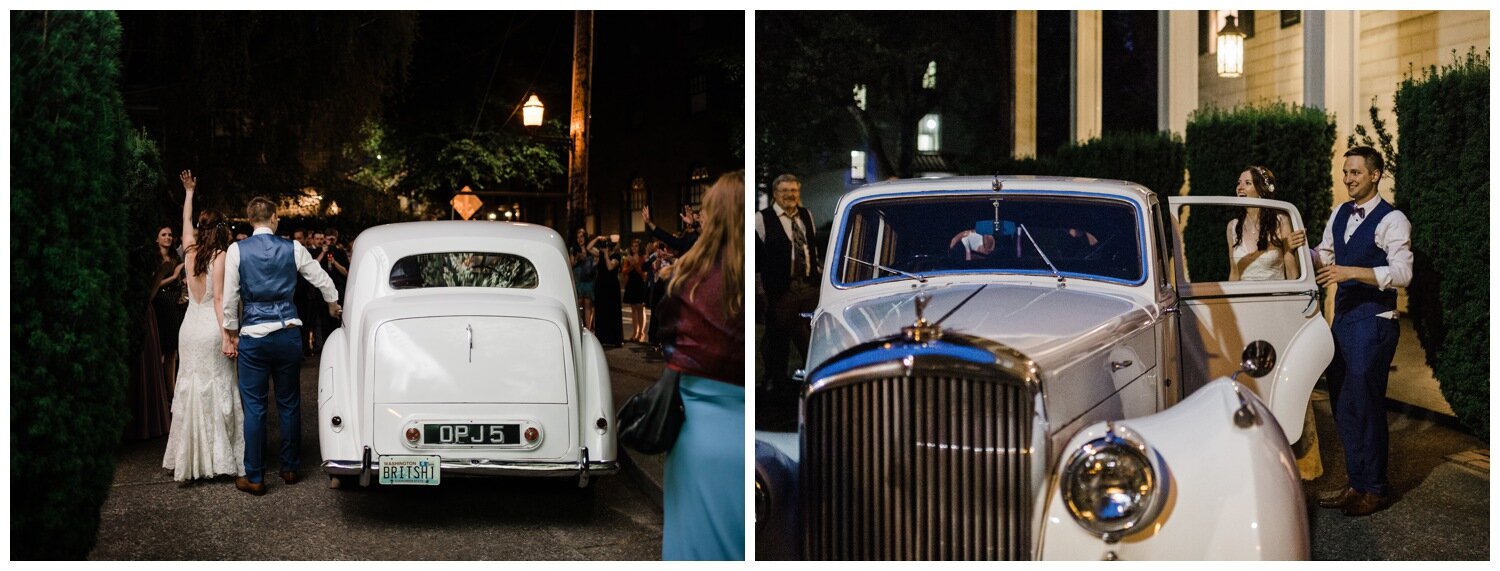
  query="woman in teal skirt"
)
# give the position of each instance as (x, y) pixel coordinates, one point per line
(704, 496)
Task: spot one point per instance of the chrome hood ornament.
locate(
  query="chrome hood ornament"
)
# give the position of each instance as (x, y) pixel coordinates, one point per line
(921, 331)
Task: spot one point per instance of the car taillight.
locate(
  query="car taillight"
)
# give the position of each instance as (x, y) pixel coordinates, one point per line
(532, 434)
(412, 435)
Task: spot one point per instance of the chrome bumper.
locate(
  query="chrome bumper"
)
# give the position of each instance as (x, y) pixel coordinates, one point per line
(583, 469)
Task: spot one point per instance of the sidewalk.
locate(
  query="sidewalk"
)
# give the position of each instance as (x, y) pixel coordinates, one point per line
(632, 369)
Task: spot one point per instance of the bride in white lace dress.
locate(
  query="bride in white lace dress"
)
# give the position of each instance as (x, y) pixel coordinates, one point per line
(207, 438)
(1262, 245)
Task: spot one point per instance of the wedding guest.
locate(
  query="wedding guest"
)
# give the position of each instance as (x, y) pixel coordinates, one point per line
(168, 303)
(703, 499)
(146, 396)
(584, 274)
(634, 273)
(607, 320)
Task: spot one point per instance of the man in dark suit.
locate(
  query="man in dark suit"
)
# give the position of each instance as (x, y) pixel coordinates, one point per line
(1366, 250)
(786, 259)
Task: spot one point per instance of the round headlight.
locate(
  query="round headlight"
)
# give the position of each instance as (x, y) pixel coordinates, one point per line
(1111, 487)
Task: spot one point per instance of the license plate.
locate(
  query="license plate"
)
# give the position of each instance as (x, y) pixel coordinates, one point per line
(410, 470)
(471, 434)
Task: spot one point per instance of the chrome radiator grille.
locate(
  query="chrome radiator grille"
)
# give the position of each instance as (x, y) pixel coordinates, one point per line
(917, 468)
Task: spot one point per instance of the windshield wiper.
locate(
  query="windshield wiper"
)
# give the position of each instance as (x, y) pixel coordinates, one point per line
(1060, 281)
(918, 277)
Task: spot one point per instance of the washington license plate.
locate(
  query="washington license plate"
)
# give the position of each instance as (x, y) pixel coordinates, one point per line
(410, 470)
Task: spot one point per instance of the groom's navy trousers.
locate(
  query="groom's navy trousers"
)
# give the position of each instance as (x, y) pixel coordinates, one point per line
(275, 359)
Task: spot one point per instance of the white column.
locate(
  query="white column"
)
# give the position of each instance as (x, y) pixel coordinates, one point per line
(1024, 101)
(1088, 74)
(1331, 77)
(1177, 68)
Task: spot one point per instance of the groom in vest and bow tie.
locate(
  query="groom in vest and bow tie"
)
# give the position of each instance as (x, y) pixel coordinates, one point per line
(262, 270)
(1366, 250)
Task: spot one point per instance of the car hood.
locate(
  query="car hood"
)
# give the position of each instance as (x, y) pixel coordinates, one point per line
(1050, 325)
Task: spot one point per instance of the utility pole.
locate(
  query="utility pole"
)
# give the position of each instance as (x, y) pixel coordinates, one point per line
(578, 127)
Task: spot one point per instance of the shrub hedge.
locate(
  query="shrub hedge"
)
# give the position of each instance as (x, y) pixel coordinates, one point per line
(68, 269)
(1443, 119)
(1295, 142)
(1154, 160)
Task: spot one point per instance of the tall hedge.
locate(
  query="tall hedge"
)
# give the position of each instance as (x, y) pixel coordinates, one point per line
(1154, 160)
(1295, 142)
(68, 269)
(1443, 119)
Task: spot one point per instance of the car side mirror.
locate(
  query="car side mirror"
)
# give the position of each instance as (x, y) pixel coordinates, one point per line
(1258, 359)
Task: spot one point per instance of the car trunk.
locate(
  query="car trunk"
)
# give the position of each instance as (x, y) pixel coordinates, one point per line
(472, 369)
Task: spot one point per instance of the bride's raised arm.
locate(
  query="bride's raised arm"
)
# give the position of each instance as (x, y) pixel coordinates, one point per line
(189, 183)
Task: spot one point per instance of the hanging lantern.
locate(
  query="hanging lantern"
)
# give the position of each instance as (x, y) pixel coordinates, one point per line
(1231, 49)
(531, 112)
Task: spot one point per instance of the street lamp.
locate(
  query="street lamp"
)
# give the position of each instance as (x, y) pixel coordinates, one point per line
(1231, 49)
(531, 112)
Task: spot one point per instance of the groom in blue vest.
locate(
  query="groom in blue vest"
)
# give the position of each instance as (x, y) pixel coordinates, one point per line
(1366, 250)
(262, 270)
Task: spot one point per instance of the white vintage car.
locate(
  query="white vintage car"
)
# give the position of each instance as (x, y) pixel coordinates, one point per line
(1022, 368)
(461, 354)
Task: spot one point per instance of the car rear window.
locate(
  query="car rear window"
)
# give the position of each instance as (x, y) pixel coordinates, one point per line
(463, 269)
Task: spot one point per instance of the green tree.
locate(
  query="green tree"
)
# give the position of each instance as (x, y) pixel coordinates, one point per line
(1443, 117)
(69, 149)
(262, 103)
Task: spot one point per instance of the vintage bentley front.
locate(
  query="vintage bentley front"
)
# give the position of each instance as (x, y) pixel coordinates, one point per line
(461, 355)
(1013, 405)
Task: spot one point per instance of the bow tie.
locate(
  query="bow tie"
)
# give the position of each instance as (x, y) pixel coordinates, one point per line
(1359, 211)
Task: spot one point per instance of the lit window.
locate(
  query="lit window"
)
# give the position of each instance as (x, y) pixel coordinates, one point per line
(637, 202)
(857, 165)
(697, 185)
(928, 133)
(859, 95)
(929, 79)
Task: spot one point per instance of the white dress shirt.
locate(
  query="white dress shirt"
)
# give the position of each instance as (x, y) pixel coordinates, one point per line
(1393, 235)
(306, 266)
(786, 226)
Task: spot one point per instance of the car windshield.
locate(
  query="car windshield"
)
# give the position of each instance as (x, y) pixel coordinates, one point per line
(463, 269)
(1087, 237)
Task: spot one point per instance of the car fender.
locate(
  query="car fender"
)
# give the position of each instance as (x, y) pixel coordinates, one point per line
(1233, 492)
(597, 401)
(336, 397)
(778, 522)
(1307, 356)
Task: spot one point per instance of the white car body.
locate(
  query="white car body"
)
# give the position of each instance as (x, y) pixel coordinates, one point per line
(449, 357)
(1148, 357)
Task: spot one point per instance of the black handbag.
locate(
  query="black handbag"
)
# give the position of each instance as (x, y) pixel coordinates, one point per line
(650, 420)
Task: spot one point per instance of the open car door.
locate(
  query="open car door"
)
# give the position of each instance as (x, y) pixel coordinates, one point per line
(1231, 298)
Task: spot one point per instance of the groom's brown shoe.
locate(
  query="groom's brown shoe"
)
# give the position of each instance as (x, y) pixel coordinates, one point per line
(289, 476)
(1339, 499)
(249, 487)
(1365, 504)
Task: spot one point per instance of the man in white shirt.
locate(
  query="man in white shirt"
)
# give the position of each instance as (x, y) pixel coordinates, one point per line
(1366, 250)
(786, 261)
(262, 270)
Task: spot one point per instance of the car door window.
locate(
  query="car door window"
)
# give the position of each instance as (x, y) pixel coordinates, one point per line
(1231, 243)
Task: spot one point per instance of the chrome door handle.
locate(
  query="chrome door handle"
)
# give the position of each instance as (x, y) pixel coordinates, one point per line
(1117, 365)
(470, 330)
